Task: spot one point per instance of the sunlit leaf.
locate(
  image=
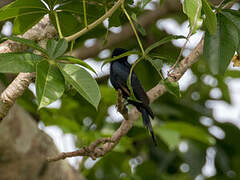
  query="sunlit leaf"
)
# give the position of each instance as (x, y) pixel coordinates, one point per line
(50, 83)
(82, 81)
(18, 62)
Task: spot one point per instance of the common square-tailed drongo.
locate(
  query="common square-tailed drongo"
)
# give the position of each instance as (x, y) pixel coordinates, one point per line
(119, 72)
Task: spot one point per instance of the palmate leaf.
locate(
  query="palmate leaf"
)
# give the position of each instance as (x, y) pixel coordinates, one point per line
(50, 83)
(82, 81)
(18, 62)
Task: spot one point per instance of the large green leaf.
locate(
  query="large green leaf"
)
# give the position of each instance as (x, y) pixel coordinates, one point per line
(56, 48)
(18, 62)
(25, 22)
(82, 81)
(219, 48)
(50, 83)
(22, 7)
(26, 42)
(192, 8)
(187, 130)
(211, 19)
(233, 16)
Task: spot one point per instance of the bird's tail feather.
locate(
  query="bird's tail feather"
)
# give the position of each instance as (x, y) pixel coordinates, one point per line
(147, 123)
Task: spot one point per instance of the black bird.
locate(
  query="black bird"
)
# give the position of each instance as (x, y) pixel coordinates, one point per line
(119, 72)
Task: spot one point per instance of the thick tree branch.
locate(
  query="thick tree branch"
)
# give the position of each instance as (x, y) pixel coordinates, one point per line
(153, 94)
(13, 91)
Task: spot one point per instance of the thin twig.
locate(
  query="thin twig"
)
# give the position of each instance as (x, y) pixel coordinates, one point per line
(92, 151)
(187, 39)
(134, 29)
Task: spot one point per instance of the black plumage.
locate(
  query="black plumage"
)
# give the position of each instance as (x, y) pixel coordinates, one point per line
(119, 72)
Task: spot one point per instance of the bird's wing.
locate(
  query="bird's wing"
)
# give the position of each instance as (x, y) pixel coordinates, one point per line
(138, 90)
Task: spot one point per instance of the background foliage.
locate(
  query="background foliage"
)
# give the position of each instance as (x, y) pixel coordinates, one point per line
(179, 119)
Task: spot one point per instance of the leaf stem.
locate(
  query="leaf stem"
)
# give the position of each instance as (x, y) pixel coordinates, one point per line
(97, 22)
(58, 25)
(85, 14)
(71, 48)
(133, 28)
(187, 39)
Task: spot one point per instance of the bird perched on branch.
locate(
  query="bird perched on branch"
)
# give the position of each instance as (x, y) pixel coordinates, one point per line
(119, 73)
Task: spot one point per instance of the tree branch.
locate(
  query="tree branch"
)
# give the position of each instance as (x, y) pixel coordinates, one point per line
(44, 30)
(153, 94)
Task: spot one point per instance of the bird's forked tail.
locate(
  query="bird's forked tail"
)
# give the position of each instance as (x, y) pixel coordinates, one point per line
(147, 123)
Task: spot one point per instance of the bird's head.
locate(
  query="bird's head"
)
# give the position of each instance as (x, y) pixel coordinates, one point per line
(117, 52)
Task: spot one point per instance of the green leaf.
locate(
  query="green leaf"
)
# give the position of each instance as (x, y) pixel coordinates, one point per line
(82, 81)
(77, 61)
(22, 7)
(170, 137)
(68, 23)
(18, 62)
(173, 88)
(220, 48)
(139, 26)
(162, 41)
(51, 47)
(141, 30)
(192, 8)
(157, 64)
(211, 19)
(56, 48)
(50, 83)
(115, 19)
(189, 131)
(233, 16)
(26, 42)
(25, 22)
(145, 2)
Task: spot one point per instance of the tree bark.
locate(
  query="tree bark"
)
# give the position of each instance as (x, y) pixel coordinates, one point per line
(24, 148)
